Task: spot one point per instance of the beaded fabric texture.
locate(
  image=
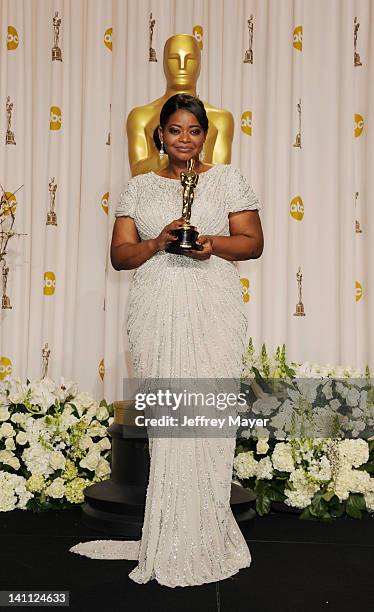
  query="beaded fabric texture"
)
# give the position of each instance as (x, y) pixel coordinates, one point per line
(186, 318)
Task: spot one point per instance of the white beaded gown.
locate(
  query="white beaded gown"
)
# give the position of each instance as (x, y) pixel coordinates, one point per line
(186, 318)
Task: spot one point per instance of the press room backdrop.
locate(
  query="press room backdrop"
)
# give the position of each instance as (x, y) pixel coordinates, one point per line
(60, 282)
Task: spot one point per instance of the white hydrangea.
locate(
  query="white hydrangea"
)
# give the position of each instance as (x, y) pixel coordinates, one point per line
(282, 457)
(354, 452)
(302, 492)
(321, 469)
(42, 393)
(264, 469)
(36, 459)
(369, 500)
(266, 405)
(245, 465)
(13, 492)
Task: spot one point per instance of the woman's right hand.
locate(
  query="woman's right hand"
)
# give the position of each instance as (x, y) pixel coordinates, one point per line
(166, 236)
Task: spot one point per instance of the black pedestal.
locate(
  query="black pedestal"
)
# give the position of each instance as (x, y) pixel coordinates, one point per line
(117, 505)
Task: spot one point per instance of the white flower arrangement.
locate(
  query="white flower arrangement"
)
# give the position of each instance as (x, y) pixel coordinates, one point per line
(53, 444)
(320, 456)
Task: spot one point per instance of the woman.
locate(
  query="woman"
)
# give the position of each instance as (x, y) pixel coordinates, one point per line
(186, 319)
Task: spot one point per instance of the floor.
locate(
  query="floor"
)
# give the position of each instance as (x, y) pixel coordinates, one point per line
(297, 566)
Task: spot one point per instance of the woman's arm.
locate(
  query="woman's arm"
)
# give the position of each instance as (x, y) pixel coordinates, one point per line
(127, 251)
(246, 240)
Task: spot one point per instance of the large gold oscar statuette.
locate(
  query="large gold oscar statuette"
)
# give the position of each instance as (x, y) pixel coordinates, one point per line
(9, 137)
(5, 302)
(152, 51)
(299, 306)
(248, 56)
(297, 142)
(187, 234)
(356, 56)
(56, 51)
(51, 214)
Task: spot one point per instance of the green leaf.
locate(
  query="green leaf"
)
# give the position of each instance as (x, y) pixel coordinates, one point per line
(328, 495)
(354, 505)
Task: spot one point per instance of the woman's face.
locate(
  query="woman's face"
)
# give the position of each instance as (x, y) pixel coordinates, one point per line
(183, 136)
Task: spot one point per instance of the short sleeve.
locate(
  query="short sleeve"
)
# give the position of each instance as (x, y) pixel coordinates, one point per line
(127, 201)
(239, 193)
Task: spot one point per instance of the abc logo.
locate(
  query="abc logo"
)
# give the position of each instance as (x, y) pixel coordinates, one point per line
(5, 367)
(56, 119)
(358, 287)
(108, 38)
(298, 38)
(12, 39)
(8, 203)
(246, 122)
(102, 369)
(198, 33)
(297, 208)
(245, 283)
(49, 283)
(359, 124)
(105, 202)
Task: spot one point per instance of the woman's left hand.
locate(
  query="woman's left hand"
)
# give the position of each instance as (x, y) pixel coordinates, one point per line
(207, 244)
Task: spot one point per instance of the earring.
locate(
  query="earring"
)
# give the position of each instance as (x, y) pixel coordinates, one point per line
(201, 155)
(162, 152)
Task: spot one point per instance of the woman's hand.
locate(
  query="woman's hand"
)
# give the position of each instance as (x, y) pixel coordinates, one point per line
(166, 236)
(207, 244)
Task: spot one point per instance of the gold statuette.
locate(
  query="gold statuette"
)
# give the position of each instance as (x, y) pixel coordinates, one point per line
(299, 306)
(187, 234)
(297, 142)
(248, 56)
(51, 214)
(357, 223)
(56, 51)
(356, 56)
(45, 358)
(9, 138)
(152, 51)
(5, 302)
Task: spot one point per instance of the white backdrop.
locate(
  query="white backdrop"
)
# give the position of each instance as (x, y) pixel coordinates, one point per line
(302, 50)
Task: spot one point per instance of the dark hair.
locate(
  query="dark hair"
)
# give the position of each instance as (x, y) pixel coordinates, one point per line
(181, 102)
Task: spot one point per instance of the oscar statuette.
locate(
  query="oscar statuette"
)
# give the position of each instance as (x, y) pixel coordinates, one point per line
(187, 234)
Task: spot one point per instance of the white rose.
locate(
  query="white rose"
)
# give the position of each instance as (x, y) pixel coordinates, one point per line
(102, 413)
(262, 447)
(90, 461)
(8, 458)
(104, 444)
(7, 430)
(102, 468)
(85, 442)
(18, 417)
(21, 438)
(56, 489)
(4, 413)
(9, 444)
(57, 460)
(264, 469)
(352, 397)
(282, 457)
(82, 401)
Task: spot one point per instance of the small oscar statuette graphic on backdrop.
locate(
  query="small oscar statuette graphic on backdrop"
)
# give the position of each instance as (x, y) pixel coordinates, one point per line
(299, 306)
(5, 301)
(45, 358)
(356, 56)
(152, 51)
(9, 138)
(56, 51)
(110, 112)
(187, 234)
(297, 142)
(248, 56)
(51, 214)
(357, 223)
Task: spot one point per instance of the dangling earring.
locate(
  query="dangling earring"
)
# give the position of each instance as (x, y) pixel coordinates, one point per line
(201, 155)
(162, 151)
